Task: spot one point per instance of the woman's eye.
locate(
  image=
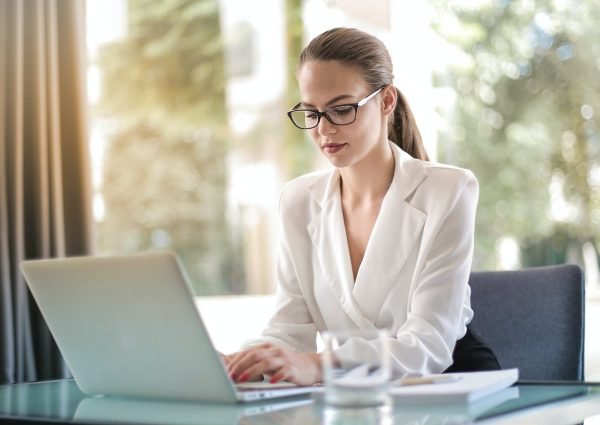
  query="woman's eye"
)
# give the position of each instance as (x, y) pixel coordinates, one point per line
(310, 115)
(342, 110)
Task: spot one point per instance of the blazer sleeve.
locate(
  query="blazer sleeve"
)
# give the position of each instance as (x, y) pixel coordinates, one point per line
(436, 317)
(437, 313)
(291, 325)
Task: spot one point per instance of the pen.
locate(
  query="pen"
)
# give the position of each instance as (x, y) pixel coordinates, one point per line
(424, 380)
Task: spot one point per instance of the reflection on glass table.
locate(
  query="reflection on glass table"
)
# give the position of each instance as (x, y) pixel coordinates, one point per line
(62, 402)
(110, 409)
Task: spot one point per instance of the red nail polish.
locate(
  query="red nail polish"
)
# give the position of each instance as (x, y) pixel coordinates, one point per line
(233, 376)
(273, 380)
(244, 377)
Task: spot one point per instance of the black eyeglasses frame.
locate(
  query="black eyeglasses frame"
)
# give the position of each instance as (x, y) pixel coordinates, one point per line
(323, 113)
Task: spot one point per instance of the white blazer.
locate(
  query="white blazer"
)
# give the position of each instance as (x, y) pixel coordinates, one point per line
(412, 280)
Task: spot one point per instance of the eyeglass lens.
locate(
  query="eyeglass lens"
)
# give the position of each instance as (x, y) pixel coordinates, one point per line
(339, 115)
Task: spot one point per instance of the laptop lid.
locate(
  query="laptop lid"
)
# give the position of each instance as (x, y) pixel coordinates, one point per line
(128, 326)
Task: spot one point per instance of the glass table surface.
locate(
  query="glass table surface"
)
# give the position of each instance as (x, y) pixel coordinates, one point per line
(62, 402)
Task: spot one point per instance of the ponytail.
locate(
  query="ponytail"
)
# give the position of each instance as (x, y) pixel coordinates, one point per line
(403, 130)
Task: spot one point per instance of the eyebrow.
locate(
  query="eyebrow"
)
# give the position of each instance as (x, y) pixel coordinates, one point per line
(335, 99)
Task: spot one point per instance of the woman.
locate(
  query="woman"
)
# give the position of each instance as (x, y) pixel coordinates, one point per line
(384, 240)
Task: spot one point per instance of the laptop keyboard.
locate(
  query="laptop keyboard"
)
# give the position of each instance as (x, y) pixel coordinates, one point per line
(253, 386)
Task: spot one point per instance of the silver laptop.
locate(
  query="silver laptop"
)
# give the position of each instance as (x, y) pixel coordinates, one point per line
(129, 326)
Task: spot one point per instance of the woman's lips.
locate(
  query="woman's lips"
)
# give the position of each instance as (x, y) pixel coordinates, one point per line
(332, 148)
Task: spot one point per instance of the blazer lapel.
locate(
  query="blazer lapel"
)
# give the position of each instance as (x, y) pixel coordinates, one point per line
(396, 230)
(393, 237)
(328, 235)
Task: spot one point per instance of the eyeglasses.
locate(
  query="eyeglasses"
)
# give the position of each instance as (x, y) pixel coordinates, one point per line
(337, 115)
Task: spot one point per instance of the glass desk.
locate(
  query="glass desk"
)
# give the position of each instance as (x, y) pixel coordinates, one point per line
(62, 402)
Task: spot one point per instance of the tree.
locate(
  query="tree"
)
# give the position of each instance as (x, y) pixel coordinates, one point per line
(526, 122)
(299, 153)
(165, 164)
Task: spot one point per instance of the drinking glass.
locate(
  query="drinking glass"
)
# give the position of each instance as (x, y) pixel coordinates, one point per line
(356, 368)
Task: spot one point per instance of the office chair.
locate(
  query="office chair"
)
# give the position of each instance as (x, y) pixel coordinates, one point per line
(532, 319)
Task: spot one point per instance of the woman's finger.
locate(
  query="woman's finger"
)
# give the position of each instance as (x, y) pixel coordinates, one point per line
(278, 376)
(246, 360)
(267, 366)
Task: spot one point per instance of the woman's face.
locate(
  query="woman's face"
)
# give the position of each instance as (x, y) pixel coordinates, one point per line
(325, 84)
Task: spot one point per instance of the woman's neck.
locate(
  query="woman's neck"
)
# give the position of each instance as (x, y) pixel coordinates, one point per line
(369, 180)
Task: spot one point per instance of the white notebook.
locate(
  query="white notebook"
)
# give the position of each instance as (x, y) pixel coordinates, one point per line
(459, 413)
(466, 388)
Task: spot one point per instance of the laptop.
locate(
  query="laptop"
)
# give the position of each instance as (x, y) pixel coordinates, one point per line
(129, 326)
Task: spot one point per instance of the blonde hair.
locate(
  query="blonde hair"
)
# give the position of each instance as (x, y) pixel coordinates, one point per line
(353, 47)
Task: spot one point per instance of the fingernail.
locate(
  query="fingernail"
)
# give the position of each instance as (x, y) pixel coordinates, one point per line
(244, 377)
(233, 376)
(274, 379)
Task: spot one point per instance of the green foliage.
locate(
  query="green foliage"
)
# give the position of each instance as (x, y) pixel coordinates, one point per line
(169, 66)
(527, 82)
(165, 162)
(299, 151)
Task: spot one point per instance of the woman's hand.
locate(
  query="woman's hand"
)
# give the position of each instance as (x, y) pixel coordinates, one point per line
(277, 362)
(226, 358)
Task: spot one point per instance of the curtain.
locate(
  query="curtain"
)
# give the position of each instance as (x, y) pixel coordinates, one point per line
(45, 205)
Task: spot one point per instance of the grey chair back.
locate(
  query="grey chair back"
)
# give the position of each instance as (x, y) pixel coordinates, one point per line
(532, 319)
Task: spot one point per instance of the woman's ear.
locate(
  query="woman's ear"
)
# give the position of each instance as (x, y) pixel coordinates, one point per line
(389, 97)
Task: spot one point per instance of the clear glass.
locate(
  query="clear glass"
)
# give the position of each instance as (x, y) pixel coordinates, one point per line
(356, 368)
(365, 415)
(62, 401)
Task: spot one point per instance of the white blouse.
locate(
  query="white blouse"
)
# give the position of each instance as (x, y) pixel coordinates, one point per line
(412, 280)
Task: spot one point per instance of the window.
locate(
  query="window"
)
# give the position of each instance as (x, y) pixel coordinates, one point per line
(191, 143)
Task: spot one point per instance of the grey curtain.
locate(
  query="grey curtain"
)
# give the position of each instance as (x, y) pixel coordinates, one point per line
(45, 208)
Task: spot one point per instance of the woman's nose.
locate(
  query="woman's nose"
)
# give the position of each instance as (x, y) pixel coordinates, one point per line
(325, 127)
